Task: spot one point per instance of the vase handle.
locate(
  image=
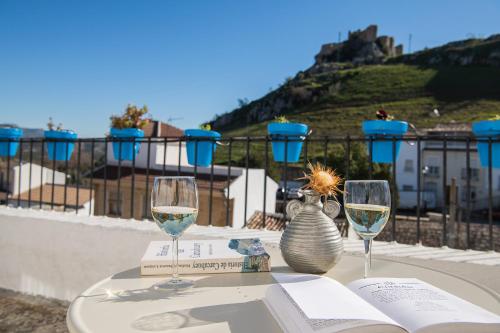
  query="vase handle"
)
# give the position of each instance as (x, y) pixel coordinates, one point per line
(294, 207)
(331, 208)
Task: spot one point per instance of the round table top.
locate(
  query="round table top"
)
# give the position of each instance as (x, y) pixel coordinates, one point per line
(127, 302)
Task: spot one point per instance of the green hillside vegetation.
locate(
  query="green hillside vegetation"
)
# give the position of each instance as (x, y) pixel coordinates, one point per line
(344, 98)
(348, 97)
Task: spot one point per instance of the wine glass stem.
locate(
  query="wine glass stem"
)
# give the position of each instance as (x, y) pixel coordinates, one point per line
(175, 259)
(368, 256)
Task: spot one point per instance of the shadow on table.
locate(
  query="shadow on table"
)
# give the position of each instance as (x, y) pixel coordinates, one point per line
(250, 316)
(239, 279)
(217, 280)
(145, 294)
(133, 273)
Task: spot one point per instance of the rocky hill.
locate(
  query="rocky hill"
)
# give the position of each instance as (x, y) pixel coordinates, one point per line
(350, 80)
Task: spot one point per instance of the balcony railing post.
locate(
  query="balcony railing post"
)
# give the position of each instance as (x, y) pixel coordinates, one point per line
(306, 144)
(444, 238)
(419, 186)
(228, 200)
(165, 144)
(394, 191)
(266, 166)
(118, 190)
(146, 195)
(132, 185)
(285, 175)
(179, 158)
(78, 167)
(92, 162)
(66, 170)
(53, 176)
(19, 188)
(31, 170)
(246, 180)
(468, 190)
(105, 182)
(490, 195)
(8, 174)
(42, 173)
(210, 203)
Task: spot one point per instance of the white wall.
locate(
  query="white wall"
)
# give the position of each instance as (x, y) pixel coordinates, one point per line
(36, 181)
(60, 254)
(407, 152)
(255, 195)
(155, 157)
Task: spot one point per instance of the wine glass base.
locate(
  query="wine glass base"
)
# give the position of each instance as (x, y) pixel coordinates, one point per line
(174, 284)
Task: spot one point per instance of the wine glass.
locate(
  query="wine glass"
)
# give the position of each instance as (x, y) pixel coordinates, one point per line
(174, 206)
(367, 205)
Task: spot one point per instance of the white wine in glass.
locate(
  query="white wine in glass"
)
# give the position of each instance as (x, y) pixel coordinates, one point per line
(174, 206)
(367, 205)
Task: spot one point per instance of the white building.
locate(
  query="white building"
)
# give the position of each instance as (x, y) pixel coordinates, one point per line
(38, 175)
(172, 157)
(432, 171)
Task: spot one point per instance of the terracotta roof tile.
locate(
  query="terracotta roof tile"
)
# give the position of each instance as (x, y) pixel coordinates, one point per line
(274, 221)
(83, 195)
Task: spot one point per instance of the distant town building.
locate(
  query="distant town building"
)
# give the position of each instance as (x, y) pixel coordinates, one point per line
(113, 183)
(433, 191)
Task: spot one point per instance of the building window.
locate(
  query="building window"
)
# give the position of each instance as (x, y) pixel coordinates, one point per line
(114, 203)
(430, 186)
(408, 166)
(407, 188)
(474, 174)
(472, 193)
(433, 170)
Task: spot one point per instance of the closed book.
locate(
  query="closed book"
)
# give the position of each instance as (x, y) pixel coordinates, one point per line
(207, 256)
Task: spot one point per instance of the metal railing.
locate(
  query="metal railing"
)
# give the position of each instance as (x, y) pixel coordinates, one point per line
(91, 166)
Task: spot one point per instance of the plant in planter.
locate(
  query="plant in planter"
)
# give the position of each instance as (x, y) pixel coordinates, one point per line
(281, 130)
(9, 140)
(125, 129)
(484, 131)
(384, 127)
(311, 243)
(60, 142)
(200, 152)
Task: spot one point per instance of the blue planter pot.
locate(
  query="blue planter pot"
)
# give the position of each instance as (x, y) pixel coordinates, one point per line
(62, 149)
(203, 154)
(484, 130)
(293, 131)
(9, 148)
(382, 151)
(124, 147)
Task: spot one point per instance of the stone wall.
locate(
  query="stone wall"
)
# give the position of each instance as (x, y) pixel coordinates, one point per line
(431, 234)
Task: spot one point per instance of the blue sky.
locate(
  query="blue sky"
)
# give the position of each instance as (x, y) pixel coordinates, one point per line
(81, 61)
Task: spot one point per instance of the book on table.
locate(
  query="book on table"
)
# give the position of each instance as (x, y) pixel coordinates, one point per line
(310, 303)
(207, 256)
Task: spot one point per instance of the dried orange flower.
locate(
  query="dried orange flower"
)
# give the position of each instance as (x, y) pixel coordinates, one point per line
(322, 180)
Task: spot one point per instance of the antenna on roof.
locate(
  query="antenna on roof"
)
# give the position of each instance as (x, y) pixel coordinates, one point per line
(172, 119)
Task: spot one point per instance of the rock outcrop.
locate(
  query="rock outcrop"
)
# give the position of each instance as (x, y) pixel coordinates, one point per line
(361, 47)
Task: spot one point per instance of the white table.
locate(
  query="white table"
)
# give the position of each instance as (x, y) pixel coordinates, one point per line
(126, 302)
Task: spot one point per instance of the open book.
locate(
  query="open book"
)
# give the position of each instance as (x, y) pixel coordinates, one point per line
(309, 303)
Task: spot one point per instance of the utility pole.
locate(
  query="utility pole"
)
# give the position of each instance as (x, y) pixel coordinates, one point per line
(409, 43)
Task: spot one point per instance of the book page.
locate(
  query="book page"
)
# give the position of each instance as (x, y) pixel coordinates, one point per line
(417, 305)
(292, 319)
(323, 298)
